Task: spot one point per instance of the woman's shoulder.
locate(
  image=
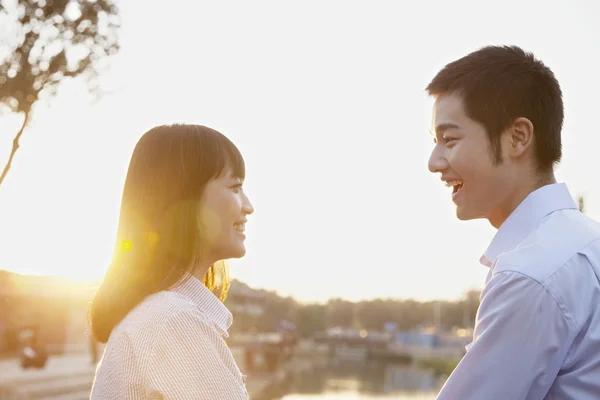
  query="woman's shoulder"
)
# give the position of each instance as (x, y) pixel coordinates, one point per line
(156, 311)
(165, 305)
(175, 323)
(167, 300)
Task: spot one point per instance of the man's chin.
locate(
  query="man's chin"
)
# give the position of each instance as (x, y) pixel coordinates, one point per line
(463, 214)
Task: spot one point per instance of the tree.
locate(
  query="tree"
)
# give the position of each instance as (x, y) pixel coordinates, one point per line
(373, 314)
(47, 41)
(581, 203)
(339, 313)
(310, 318)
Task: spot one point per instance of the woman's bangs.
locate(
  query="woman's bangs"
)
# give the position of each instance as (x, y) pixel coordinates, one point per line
(230, 159)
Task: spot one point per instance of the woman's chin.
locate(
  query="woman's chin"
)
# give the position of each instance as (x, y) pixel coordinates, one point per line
(237, 251)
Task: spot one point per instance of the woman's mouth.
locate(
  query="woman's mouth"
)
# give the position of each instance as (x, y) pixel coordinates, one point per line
(240, 227)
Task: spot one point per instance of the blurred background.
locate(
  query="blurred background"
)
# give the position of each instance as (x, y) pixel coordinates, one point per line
(359, 281)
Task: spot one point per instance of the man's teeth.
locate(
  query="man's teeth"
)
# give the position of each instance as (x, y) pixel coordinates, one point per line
(240, 227)
(454, 182)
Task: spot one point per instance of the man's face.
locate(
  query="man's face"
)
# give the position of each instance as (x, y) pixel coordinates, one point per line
(463, 157)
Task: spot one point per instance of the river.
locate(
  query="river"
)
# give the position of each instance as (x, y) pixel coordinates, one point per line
(357, 380)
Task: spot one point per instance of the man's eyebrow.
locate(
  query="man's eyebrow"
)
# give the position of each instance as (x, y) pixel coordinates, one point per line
(441, 128)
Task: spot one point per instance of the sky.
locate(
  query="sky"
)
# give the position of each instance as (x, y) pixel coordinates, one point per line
(326, 102)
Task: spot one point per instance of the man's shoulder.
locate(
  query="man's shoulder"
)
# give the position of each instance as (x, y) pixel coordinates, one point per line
(563, 257)
(559, 241)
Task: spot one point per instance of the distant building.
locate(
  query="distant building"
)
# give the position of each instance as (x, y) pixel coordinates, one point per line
(418, 337)
(244, 300)
(430, 337)
(246, 305)
(54, 307)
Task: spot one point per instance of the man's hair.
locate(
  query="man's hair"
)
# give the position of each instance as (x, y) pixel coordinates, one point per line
(499, 84)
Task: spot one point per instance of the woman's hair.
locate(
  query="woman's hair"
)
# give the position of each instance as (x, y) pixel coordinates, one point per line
(158, 238)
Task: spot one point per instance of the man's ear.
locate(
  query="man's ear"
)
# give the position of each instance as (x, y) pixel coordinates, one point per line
(519, 137)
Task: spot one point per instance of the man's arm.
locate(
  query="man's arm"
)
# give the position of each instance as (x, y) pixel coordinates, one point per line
(520, 341)
(191, 361)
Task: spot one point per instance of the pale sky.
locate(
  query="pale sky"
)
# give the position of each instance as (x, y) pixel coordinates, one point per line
(326, 102)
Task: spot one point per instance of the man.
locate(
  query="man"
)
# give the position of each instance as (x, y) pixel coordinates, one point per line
(497, 124)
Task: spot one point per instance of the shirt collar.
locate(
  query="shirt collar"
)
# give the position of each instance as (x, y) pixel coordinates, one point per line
(195, 291)
(526, 217)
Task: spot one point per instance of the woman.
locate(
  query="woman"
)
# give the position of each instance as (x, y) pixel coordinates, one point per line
(159, 309)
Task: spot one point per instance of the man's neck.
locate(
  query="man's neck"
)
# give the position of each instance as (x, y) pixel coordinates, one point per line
(517, 196)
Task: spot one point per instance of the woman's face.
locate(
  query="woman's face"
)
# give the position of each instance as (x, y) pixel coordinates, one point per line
(221, 218)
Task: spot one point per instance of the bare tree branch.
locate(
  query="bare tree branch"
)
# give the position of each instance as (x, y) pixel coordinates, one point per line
(15, 147)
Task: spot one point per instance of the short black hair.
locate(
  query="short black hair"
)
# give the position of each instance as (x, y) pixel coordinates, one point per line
(499, 84)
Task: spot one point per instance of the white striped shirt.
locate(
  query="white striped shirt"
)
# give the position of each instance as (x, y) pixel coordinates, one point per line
(171, 346)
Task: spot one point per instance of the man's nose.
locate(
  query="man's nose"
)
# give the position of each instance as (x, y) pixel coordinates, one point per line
(437, 160)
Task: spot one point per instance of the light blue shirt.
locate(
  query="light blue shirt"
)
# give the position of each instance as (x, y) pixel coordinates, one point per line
(537, 331)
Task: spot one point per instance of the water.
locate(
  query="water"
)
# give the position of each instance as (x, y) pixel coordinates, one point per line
(358, 381)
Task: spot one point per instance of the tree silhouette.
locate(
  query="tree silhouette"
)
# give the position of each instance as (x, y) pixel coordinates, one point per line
(42, 42)
(581, 203)
(312, 318)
